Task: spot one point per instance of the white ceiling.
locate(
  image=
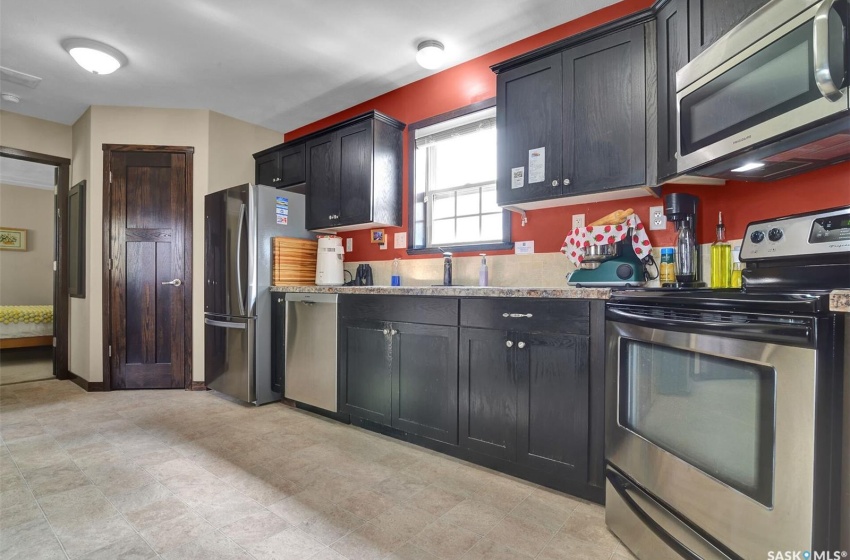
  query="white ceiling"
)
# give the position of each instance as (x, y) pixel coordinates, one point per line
(27, 174)
(279, 64)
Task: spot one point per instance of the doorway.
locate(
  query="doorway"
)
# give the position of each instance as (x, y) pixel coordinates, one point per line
(147, 272)
(34, 334)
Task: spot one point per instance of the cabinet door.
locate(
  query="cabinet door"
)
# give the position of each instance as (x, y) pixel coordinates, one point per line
(672, 49)
(322, 181)
(292, 166)
(355, 175)
(552, 411)
(487, 393)
(278, 340)
(529, 117)
(365, 373)
(267, 169)
(710, 20)
(604, 104)
(425, 381)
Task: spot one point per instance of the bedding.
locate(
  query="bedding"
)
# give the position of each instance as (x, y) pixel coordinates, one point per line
(26, 325)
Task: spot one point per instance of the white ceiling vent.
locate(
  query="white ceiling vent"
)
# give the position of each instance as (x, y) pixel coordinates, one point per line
(15, 77)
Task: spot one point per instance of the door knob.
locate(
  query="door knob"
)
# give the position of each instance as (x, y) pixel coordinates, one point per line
(508, 343)
(520, 345)
(175, 282)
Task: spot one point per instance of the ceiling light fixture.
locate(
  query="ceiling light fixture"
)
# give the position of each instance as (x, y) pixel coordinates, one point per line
(748, 167)
(430, 54)
(94, 56)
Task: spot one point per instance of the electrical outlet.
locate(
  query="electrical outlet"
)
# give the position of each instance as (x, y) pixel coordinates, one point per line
(349, 244)
(578, 221)
(657, 219)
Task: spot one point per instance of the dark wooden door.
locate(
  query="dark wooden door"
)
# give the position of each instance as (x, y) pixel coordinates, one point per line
(604, 105)
(552, 414)
(487, 393)
(529, 116)
(366, 363)
(149, 281)
(267, 169)
(322, 181)
(425, 380)
(710, 20)
(672, 49)
(355, 174)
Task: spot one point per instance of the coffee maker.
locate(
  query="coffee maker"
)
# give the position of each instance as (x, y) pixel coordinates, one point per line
(681, 209)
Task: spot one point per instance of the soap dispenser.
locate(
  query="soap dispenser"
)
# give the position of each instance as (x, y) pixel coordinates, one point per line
(482, 273)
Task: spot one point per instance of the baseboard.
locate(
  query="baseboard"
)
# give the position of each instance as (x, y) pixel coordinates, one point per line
(90, 386)
(197, 386)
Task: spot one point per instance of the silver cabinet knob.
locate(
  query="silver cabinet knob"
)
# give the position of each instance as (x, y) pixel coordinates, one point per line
(386, 331)
(555, 183)
(393, 332)
(508, 343)
(566, 182)
(520, 345)
(175, 282)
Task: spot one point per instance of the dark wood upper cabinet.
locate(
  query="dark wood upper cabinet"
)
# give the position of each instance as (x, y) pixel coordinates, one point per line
(709, 20)
(354, 174)
(672, 49)
(282, 166)
(583, 109)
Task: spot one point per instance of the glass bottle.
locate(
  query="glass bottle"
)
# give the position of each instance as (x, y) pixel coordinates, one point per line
(396, 277)
(721, 258)
(737, 267)
(686, 255)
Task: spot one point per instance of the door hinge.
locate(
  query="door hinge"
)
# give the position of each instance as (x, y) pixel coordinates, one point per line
(110, 176)
(58, 213)
(109, 350)
(55, 266)
(109, 264)
(54, 342)
(55, 189)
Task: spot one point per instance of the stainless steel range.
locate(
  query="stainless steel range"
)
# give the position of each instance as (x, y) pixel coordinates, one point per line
(724, 407)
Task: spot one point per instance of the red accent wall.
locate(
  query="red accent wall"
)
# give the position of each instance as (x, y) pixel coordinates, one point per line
(473, 81)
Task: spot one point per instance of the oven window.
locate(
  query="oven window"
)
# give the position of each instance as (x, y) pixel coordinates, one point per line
(715, 413)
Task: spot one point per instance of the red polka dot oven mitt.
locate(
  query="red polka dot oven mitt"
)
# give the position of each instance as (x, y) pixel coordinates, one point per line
(579, 238)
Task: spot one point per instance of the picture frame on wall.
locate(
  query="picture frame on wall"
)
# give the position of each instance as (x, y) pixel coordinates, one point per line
(13, 239)
(378, 236)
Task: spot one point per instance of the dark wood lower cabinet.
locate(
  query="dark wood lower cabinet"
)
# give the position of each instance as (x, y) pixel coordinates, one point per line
(366, 360)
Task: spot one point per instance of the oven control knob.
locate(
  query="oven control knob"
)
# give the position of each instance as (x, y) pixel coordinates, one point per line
(774, 234)
(757, 236)
(625, 271)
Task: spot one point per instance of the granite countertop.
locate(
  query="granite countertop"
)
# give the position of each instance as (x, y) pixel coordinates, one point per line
(839, 301)
(454, 291)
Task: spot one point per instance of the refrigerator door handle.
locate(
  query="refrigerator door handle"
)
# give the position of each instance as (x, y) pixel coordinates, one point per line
(225, 324)
(253, 213)
(239, 260)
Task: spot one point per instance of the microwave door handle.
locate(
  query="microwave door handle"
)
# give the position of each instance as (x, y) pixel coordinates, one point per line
(820, 41)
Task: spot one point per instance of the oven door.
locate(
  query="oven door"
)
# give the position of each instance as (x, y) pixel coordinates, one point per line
(714, 415)
(794, 76)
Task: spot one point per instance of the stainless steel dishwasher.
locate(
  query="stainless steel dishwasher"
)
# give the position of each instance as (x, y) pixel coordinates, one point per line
(311, 335)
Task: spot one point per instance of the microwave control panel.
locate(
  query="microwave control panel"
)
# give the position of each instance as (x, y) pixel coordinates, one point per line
(824, 232)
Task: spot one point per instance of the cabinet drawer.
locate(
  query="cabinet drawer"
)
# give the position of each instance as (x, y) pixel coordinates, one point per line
(403, 309)
(548, 315)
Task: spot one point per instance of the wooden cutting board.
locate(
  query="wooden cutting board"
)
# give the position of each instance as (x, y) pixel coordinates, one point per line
(294, 261)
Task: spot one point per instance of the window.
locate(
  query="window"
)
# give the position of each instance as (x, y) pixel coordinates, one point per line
(454, 182)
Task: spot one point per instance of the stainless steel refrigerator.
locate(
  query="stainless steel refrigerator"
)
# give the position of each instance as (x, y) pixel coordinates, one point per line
(239, 224)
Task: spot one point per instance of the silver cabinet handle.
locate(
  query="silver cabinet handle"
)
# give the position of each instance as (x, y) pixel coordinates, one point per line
(555, 183)
(823, 76)
(509, 343)
(175, 282)
(517, 315)
(520, 344)
(566, 182)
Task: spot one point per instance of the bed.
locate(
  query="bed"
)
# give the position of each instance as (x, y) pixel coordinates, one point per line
(25, 326)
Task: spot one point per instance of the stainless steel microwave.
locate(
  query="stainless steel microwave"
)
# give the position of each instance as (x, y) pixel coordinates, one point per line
(770, 98)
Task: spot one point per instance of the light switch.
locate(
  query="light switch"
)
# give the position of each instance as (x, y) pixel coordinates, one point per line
(400, 240)
(349, 244)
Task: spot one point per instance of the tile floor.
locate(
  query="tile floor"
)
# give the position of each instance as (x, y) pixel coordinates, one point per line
(175, 474)
(19, 365)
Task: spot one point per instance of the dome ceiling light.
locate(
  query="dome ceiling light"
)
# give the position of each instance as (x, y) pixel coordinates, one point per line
(431, 54)
(95, 57)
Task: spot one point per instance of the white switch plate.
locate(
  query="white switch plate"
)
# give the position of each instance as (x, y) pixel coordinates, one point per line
(383, 246)
(578, 221)
(524, 247)
(657, 218)
(349, 244)
(400, 240)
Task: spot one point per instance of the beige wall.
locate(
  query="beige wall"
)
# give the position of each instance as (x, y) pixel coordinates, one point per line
(222, 158)
(79, 309)
(26, 277)
(34, 135)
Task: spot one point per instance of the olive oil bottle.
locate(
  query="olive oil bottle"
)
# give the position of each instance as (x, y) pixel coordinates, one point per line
(721, 258)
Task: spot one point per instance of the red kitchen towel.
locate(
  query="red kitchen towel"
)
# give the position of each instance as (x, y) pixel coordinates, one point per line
(579, 238)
